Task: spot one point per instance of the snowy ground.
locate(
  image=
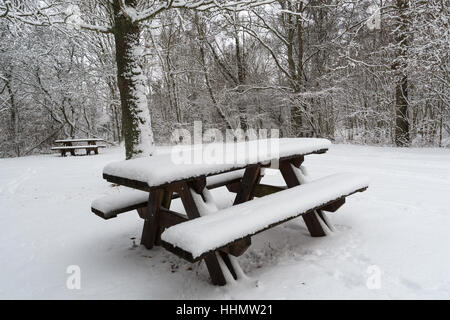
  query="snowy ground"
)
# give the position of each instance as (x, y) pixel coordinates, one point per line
(401, 225)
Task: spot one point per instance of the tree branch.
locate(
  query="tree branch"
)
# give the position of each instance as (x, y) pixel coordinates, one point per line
(200, 5)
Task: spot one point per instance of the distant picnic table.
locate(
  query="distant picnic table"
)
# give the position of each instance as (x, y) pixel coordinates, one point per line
(68, 145)
(219, 235)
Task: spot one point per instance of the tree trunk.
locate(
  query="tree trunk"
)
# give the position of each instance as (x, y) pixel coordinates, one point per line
(241, 76)
(199, 39)
(136, 124)
(297, 118)
(14, 120)
(294, 33)
(402, 137)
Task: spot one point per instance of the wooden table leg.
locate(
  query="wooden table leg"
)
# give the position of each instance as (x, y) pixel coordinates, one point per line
(252, 176)
(69, 144)
(312, 222)
(151, 223)
(192, 212)
(165, 203)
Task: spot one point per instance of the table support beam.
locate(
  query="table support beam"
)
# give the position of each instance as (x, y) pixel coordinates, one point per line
(312, 222)
(151, 223)
(165, 203)
(252, 176)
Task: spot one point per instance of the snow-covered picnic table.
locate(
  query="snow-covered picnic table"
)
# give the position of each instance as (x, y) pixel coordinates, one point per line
(217, 236)
(68, 145)
(68, 142)
(190, 162)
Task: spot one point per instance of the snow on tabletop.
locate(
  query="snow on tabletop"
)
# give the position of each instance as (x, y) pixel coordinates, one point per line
(183, 162)
(77, 147)
(126, 198)
(79, 140)
(215, 230)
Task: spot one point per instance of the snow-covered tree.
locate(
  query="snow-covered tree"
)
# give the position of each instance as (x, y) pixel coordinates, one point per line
(125, 21)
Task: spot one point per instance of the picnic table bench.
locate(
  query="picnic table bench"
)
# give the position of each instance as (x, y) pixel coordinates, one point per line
(216, 235)
(68, 145)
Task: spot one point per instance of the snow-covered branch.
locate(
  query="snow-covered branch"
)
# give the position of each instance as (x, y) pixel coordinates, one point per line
(101, 29)
(201, 5)
(74, 18)
(30, 12)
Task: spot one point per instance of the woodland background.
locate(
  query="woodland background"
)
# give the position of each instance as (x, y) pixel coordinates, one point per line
(367, 72)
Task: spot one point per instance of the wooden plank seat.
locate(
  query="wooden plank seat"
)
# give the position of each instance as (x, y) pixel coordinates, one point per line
(196, 238)
(71, 149)
(110, 206)
(88, 140)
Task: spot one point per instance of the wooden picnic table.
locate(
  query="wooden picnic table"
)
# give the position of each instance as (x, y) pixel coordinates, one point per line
(68, 142)
(166, 178)
(68, 145)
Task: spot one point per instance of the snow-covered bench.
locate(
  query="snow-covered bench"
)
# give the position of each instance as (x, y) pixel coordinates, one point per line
(71, 149)
(110, 206)
(194, 239)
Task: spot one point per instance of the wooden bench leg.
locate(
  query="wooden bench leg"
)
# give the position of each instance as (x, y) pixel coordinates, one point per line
(227, 261)
(96, 150)
(72, 152)
(146, 238)
(192, 212)
(322, 217)
(214, 270)
(312, 223)
(151, 224)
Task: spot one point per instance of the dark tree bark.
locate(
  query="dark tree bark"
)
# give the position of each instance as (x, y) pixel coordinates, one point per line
(294, 38)
(241, 76)
(15, 130)
(402, 137)
(297, 76)
(136, 124)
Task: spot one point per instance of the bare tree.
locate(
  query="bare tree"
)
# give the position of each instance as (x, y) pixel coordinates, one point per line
(402, 136)
(125, 26)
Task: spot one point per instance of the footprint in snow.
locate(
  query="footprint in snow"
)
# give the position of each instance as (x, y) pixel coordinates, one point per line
(13, 185)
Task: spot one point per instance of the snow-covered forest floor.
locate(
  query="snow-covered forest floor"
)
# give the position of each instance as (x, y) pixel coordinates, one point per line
(400, 224)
